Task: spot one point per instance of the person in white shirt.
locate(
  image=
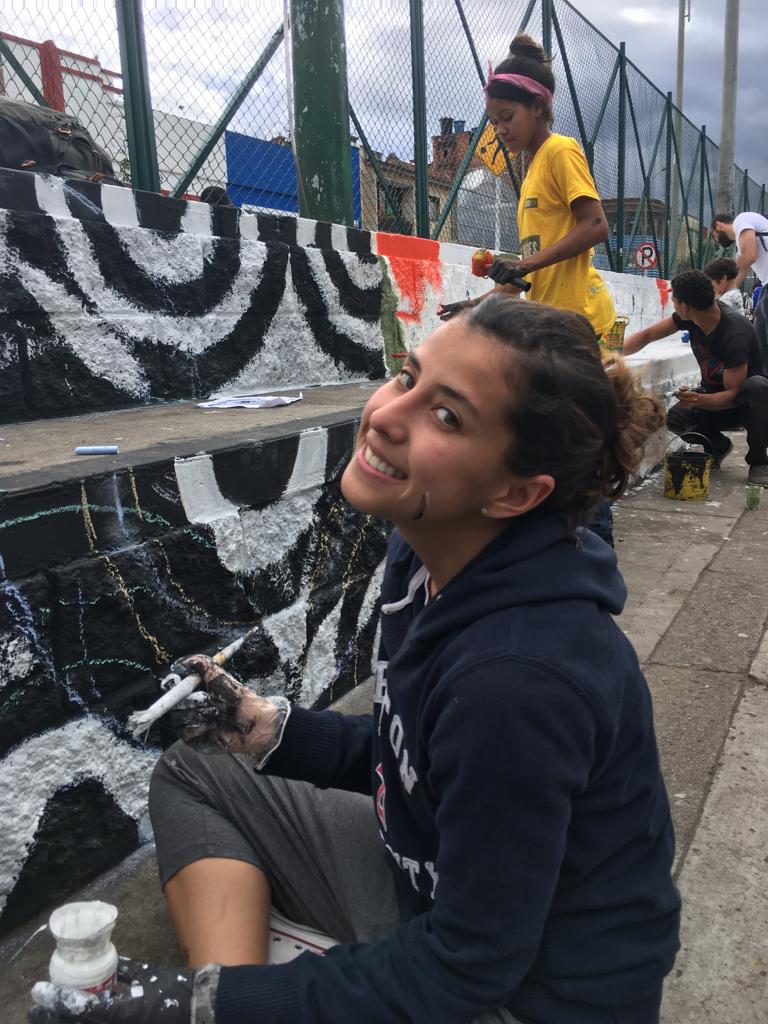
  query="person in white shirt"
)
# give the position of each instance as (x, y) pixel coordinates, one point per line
(750, 233)
(723, 273)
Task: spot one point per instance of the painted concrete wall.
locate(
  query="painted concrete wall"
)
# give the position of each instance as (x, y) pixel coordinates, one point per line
(107, 298)
(111, 297)
(103, 581)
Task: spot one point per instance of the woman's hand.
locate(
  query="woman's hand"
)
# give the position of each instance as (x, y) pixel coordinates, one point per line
(448, 310)
(233, 718)
(168, 995)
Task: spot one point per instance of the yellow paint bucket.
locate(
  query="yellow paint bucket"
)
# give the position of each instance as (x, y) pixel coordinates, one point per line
(613, 339)
(686, 474)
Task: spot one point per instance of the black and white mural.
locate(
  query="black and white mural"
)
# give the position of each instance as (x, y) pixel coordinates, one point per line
(110, 297)
(105, 581)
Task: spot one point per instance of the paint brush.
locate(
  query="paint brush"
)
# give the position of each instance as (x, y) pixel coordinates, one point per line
(140, 722)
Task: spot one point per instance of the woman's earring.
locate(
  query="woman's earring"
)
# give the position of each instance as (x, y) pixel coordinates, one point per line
(484, 511)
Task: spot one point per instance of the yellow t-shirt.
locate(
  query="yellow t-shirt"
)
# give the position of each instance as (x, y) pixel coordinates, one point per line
(558, 175)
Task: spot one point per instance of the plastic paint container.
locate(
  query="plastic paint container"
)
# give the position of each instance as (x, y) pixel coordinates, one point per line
(84, 957)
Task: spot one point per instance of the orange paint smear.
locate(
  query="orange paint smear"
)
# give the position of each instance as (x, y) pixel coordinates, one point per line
(663, 287)
(415, 263)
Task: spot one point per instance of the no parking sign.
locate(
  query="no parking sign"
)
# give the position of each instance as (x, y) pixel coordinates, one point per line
(645, 256)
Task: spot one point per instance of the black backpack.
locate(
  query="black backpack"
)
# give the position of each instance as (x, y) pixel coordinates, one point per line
(36, 138)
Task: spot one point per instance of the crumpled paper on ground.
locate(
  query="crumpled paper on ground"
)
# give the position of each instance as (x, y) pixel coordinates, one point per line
(249, 401)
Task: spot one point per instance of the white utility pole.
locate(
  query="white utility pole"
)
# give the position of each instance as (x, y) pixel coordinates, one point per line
(724, 200)
(683, 15)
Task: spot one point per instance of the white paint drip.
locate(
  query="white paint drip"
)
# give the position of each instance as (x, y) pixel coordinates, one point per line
(79, 750)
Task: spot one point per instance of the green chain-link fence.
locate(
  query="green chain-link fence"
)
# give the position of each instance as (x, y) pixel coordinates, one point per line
(423, 161)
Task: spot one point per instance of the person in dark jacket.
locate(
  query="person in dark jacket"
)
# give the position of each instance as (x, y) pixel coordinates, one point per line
(494, 842)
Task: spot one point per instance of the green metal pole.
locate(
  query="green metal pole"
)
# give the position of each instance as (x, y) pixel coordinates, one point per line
(139, 122)
(702, 164)
(418, 81)
(546, 26)
(762, 200)
(321, 111)
(229, 112)
(19, 69)
(622, 157)
(668, 188)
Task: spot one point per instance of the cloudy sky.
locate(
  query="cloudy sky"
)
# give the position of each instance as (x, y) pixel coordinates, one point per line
(650, 31)
(199, 51)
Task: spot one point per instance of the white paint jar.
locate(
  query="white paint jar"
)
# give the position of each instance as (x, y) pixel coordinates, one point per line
(84, 957)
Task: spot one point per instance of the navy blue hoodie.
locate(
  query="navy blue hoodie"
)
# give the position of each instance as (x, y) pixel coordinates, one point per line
(514, 771)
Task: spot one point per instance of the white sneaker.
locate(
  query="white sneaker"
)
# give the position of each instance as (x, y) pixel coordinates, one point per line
(287, 940)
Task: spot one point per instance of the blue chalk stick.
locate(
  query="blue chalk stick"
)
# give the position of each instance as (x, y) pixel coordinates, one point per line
(97, 449)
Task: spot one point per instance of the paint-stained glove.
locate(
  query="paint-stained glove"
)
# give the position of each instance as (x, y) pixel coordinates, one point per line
(166, 995)
(233, 718)
(509, 272)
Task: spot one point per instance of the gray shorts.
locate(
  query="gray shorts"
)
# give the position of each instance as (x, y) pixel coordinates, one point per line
(320, 849)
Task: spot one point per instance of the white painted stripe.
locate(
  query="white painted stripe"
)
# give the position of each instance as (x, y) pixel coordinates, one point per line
(50, 195)
(459, 255)
(339, 238)
(119, 206)
(199, 490)
(249, 226)
(197, 218)
(309, 468)
(305, 231)
(35, 770)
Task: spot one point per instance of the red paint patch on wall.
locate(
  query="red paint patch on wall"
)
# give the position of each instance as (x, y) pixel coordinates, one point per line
(415, 263)
(663, 287)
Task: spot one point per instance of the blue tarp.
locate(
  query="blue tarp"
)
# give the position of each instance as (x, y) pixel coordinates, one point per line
(262, 174)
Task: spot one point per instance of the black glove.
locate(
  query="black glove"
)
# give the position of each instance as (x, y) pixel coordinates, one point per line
(448, 310)
(508, 272)
(144, 995)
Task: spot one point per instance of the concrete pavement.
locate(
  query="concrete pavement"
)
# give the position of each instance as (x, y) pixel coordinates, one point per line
(697, 611)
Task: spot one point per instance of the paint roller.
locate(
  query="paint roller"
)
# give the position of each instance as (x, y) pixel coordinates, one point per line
(482, 261)
(178, 689)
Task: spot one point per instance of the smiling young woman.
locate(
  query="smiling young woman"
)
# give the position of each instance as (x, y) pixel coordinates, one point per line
(493, 843)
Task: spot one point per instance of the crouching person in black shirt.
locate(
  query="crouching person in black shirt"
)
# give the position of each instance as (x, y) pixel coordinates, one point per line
(734, 390)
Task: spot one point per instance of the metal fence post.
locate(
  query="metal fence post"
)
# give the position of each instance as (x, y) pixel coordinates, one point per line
(702, 165)
(321, 111)
(668, 188)
(546, 26)
(622, 157)
(762, 200)
(139, 121)
(418, 82)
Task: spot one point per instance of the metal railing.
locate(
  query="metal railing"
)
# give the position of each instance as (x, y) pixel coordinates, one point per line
(187, 94)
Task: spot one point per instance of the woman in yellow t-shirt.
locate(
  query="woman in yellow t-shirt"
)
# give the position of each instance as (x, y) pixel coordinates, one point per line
(559, 214)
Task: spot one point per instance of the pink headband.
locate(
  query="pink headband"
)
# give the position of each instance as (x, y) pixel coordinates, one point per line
(521, 81)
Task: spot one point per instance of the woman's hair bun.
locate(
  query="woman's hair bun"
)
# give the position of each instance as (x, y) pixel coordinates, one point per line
(524, 46)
